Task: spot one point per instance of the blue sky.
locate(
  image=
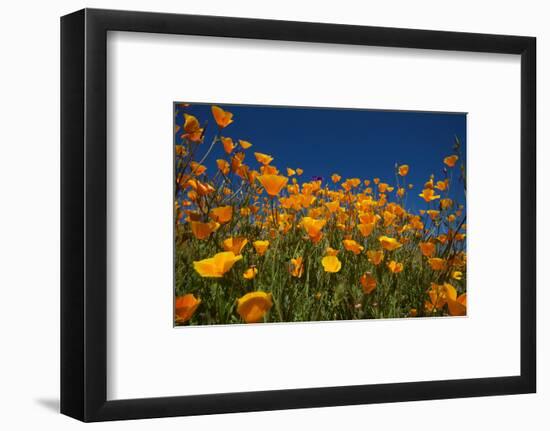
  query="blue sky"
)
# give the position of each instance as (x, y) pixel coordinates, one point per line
(351, 142)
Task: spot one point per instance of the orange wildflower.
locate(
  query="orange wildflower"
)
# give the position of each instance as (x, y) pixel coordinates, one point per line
(223, 118)
(253, 306)
(185, 306)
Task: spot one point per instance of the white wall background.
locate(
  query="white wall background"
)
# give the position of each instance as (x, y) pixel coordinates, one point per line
(29, 216)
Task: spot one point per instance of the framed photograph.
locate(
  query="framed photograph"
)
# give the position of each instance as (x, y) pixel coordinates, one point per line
(262, 215)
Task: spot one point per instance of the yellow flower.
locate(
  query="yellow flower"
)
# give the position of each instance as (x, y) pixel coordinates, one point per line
(297, 267)
(185, 307)
(331, 264)
(450, 161)
(368, 283)
(437, 263)
(222, 214)
(261, 246)
(375, 256)
(290, 172)
(313, 227)
(395, 267)
(457, 275)
(352, 246)
(234, 244)
(429, 195)
(223, 118)
(365, 228)
(216, 266)
(228, 145)
(250, 273)
(253, 306)
(403, 170)
(389, 243)
(427, 248)
(262, 158)
(193, 130)
(245, 145)
(203, 230)
(272, 184)
(335, 178)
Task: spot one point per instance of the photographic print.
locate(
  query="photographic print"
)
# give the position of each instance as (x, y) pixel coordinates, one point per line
(301, 214)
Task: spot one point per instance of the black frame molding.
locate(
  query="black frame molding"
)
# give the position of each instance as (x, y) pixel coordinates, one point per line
(84, 214)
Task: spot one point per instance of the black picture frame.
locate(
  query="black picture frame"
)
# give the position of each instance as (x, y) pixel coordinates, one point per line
(84, 214)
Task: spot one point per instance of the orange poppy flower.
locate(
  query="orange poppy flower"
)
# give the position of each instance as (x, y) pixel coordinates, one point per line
(222, 214)
(429, 195)
(441, 185)
(403, 170)
(234, 244)
(201, 188)
(389, 243)
(352, 246)
(335, 178)
(264, 159)
(228, 144)
(333, 206)
(450, 161)
(299, 171)
(253, 306)
(193, 130)
(185, 307)
(395, 267)
(437, 263)
(297, 267)
(457, 307)
(250, 273)
(260, 246)
(368, 283)
(223, 118)
(331, 251)
(365, 228)
(223, 166)
(245, 145)
(427, 248)
(313, 227)
(445, 203)
(203, 230)
(273, 184)
(217, 265)
(290, 172)
(375, 256)
(197, 169)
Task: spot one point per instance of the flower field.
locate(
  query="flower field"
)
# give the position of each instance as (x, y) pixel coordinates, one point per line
(258, 242)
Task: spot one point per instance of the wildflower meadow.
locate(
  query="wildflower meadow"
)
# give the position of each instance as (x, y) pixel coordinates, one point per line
(256, 241)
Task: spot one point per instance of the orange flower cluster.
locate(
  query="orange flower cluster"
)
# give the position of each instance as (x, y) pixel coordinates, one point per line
(308, 250)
